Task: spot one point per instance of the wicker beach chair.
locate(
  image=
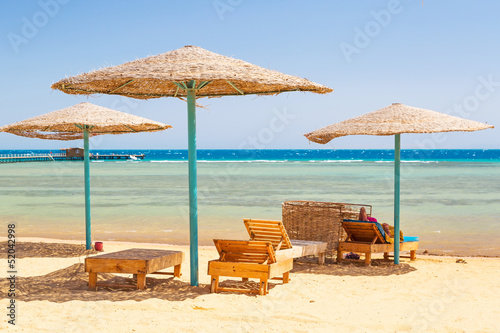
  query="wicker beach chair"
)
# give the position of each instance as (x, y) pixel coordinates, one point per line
(247, 259)
(275, 232)
(369, 237)
(319, 221)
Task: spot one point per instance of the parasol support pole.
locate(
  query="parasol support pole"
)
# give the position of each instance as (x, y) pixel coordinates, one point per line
(193, 190)
(397, 164)
(86, 162)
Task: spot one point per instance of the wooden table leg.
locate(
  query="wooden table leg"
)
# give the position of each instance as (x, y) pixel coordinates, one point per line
(177, 271)
(263, 287)
(214, 284)
(92, 281)
(340, 255)
(286, 277)
(321, 258)
(413, 254)
(368, 258)
(141, 281)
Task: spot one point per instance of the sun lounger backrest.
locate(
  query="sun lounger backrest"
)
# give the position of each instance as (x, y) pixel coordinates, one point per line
(245, 251)
(268, 231)
(360, 231)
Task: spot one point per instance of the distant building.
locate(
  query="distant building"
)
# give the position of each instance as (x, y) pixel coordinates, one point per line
(73, 152)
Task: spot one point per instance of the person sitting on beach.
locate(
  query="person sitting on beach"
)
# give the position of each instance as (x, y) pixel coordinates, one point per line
(364, 217)
(389, 229)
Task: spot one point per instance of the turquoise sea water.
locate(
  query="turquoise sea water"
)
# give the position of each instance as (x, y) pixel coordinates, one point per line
(452, 204)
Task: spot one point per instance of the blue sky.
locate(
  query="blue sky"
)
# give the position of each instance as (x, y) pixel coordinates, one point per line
(442, 56)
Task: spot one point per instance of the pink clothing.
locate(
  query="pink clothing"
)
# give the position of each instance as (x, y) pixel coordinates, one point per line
(372, 219)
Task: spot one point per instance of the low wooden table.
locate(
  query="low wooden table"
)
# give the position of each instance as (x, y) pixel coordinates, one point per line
(133, 261)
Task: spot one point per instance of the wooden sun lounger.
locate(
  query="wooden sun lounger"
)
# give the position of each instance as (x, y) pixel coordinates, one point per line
(247, 259)
(365, 237)
(275, 232)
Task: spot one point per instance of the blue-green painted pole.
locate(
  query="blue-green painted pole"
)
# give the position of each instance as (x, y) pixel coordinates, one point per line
(193, 190)
(86, 162)
(397, 164)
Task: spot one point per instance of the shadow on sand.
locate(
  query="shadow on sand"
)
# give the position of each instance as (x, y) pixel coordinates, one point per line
(45, 250)
(71, 283)
(379, 267)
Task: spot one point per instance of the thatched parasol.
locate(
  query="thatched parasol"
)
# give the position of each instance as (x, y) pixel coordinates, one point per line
(79, 122)
(187, 72)
(170, 74)
(395, 120)
(69, 123)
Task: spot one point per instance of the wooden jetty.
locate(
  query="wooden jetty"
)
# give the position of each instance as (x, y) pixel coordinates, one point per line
(13, 158)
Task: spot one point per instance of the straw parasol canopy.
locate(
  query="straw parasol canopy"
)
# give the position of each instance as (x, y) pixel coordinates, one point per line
(162, 75)
(68, 123)
(190, 72)
(81, 121)
(396, 119)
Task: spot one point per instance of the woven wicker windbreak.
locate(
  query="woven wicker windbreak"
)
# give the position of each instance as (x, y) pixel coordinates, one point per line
(68, 123)
(319, 221)
(396, 119)
(167, 74)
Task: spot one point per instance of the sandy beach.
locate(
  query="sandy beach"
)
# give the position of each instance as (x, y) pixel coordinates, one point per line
(145, 125)
(431, 294)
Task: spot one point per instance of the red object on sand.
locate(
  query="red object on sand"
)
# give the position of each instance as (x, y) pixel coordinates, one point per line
(98, 246)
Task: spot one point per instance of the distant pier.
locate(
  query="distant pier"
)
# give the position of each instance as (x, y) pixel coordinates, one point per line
(13, 158)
